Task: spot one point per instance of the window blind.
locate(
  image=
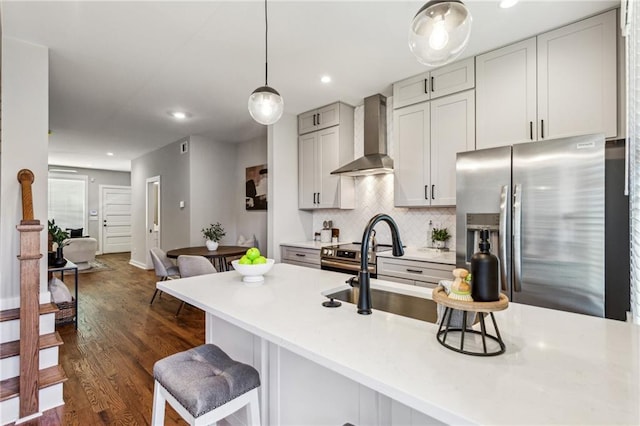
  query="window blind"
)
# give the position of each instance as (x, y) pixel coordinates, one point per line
(68, 201)
(631, 25)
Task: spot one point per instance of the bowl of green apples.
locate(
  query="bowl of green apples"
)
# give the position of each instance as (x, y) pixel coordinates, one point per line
(252, 266)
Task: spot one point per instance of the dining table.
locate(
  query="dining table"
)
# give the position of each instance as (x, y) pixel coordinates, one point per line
(217, 257)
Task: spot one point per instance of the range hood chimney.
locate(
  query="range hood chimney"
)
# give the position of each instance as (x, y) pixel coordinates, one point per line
(375, 160)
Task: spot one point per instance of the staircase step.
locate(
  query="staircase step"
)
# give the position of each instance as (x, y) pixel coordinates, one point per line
(10, 388)
(10, 349)
(14, 314)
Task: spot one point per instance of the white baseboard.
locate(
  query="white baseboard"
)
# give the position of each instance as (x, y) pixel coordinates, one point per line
(139, 265)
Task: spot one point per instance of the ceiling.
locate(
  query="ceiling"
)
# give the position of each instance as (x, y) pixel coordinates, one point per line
(117, 69)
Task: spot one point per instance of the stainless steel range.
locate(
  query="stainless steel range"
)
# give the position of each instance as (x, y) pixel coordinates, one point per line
(346, 258)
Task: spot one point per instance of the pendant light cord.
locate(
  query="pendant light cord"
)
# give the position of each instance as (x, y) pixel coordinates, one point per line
(266, 47)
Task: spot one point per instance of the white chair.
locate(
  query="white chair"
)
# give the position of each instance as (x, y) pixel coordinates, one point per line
(164, 267)
(191, 266)
(204, 385)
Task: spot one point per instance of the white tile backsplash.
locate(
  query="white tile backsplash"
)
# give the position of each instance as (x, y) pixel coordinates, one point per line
(374, 194)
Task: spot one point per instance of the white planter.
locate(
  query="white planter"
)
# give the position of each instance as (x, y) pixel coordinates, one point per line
(440, 244)
(211, 245)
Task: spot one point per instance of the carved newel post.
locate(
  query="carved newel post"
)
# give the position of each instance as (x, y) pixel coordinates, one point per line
(29, 257)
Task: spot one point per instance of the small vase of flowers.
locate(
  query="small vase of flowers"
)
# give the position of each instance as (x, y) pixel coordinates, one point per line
(60, 237)
(213, 234)
(440, 236)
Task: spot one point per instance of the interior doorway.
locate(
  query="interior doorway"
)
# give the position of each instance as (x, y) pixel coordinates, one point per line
(115, 218)
(153, 216)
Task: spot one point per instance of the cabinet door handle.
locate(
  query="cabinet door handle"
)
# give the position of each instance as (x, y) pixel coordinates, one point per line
(414, 271)
(433, 191)
(300, 255)
(318, 198)
(426, 89)
(432, 85)
(542, 129)
(314, 198)
(426, 192)
(531, 130)
(318, 119)
(314, 119)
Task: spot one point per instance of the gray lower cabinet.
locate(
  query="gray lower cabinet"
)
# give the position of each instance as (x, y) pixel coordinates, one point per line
(413, 272)
(308, 257)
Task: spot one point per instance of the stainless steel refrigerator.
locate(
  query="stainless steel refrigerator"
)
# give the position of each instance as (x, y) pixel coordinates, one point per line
(544, 203)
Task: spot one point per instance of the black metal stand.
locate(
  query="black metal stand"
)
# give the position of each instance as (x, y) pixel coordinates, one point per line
(442, 334)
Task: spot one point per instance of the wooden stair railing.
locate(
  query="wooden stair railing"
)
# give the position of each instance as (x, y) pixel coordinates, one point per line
(29, 257)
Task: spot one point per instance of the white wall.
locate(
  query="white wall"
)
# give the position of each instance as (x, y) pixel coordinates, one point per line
(285, 223)
(173, 169)
(251, 222)
(212, 190)
(25, 123)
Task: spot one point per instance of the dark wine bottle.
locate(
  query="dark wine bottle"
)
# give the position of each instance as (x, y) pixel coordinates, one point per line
(485, 286)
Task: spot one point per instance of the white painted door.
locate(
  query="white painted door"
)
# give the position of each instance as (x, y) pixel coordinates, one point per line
(116, 218)
(577, 92)
(153, 216)
(412, 155)
(506, 95)
(452, 131)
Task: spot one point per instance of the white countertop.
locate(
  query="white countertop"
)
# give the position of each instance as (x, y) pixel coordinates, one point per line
(425, 254)
(558, 368)
(310, 244)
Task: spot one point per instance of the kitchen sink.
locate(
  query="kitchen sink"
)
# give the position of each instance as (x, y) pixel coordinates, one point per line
(395, 303)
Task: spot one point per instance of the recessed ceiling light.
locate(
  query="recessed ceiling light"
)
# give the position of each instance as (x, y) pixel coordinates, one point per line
(110, 154)
(507, 3)
(179, 115)
(325, 79)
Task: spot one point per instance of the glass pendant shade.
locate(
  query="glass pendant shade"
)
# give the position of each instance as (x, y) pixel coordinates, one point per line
(439, 32)
(266, 105)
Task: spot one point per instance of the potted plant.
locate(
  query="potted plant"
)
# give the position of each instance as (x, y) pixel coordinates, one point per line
(60, 237)
(213, 234)
(440, 236)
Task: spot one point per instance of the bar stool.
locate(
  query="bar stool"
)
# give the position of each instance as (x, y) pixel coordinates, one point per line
(204, 385)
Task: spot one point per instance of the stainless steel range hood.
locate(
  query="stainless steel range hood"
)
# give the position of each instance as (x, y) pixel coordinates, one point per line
(375, 160)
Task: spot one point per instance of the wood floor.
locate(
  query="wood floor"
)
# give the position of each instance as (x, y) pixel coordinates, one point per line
(109, 359)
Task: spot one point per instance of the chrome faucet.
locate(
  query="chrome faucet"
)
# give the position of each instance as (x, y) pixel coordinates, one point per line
(364, 296)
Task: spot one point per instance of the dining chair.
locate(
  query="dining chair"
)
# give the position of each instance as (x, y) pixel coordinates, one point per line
(164, 267)
(191, 266)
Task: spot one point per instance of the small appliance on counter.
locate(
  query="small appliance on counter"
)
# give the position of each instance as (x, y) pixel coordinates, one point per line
(325, 233)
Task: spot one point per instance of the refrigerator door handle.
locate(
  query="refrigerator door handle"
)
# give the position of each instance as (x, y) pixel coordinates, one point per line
(517, 238)
(502, 231)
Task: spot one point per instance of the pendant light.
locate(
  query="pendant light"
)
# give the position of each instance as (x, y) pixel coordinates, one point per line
(440, 31)
(265, 103)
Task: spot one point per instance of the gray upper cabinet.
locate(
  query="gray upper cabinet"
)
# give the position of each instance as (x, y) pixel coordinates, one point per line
(506, 95)
(561, 83)
(427, 137)
(449, 79)
(322, 151)
(319, 119)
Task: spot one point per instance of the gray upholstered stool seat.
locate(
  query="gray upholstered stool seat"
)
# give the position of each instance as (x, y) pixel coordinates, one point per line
(202, 380)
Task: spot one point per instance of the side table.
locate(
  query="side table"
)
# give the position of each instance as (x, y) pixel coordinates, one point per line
(482, 308)
(69, 266)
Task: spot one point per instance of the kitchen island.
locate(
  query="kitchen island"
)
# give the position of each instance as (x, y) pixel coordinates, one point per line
(331, 365)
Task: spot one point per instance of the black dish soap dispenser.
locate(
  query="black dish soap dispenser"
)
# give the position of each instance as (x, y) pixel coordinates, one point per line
(485, 286)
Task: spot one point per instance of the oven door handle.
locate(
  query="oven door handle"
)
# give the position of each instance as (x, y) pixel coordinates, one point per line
(343, 265)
